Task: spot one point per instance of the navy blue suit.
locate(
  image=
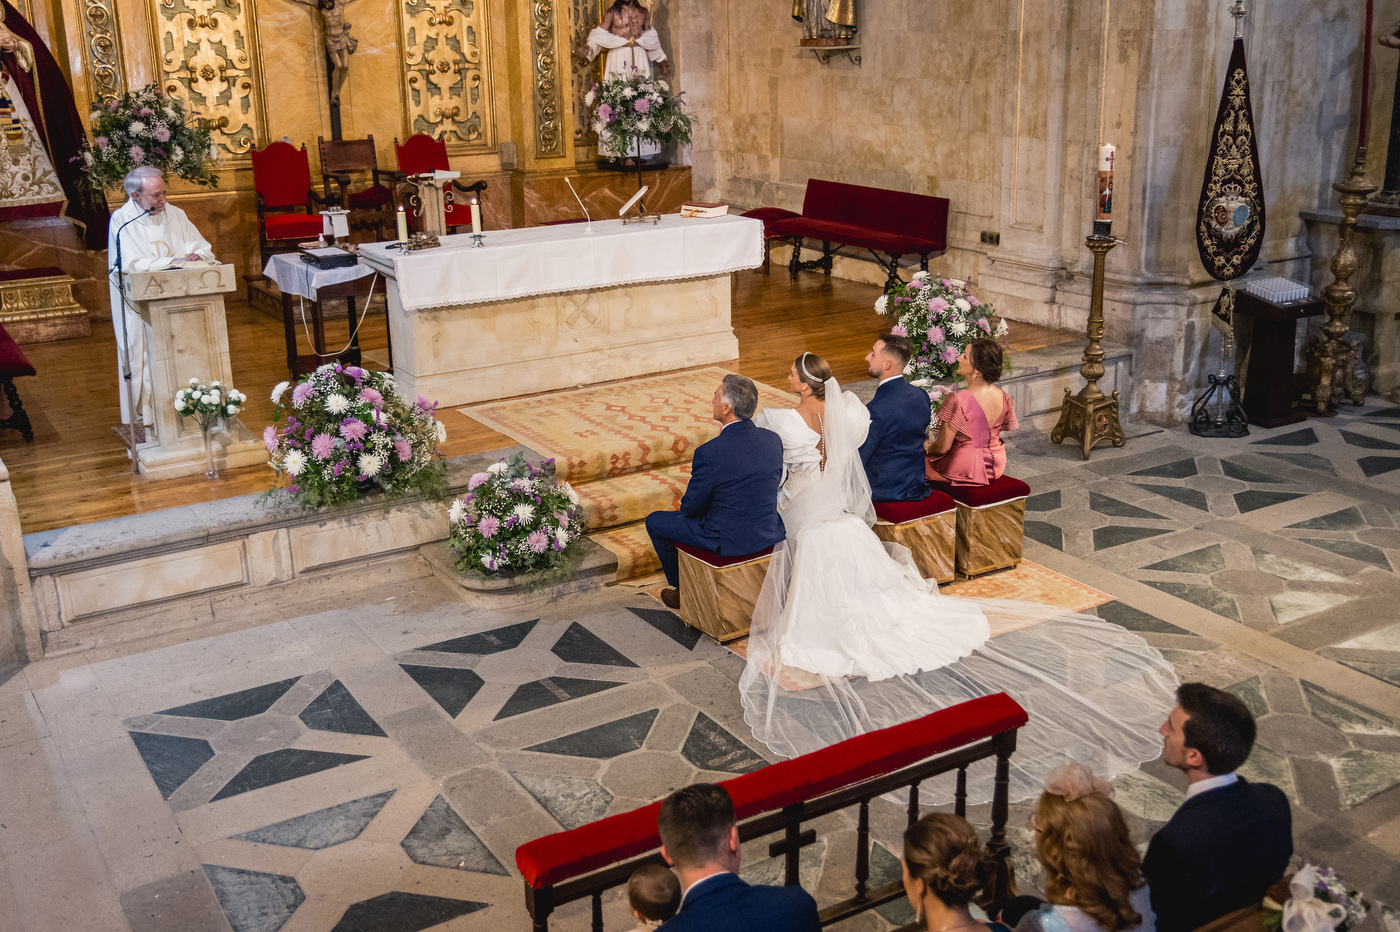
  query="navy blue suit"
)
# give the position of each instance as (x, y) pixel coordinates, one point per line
(726, 904)
(730, 506)
(1220, 852)
(893, 452)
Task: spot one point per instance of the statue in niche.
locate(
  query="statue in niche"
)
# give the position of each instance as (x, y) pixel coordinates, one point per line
(826, 22)
(340, 45)
(630, 38)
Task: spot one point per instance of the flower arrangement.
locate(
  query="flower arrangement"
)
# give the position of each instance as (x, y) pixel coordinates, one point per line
(346, 431)
(145, 127)
(209, 403)
(515, 519)
(940, 317)
(632, 106)
(937, 394)
(1318, 902)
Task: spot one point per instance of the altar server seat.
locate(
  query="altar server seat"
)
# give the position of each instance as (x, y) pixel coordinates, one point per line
(718, 593)
(422, 153)
(282, 182)
(928, 528)
(991, 524)
(13, 365)
(347, 163)
(767, 215)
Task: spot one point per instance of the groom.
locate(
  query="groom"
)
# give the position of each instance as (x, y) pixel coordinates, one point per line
(893, 452)
(730, 506)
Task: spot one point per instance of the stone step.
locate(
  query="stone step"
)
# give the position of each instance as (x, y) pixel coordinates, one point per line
(631, 497)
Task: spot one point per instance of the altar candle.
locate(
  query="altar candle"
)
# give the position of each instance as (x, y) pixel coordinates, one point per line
(476, 218)
(1103, 191)
(402, 220)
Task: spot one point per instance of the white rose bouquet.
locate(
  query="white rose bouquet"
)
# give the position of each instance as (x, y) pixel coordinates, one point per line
(208, 403)
(940, 317)
(515, 518)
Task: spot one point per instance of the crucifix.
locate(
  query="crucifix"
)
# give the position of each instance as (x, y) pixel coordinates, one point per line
(340, 45)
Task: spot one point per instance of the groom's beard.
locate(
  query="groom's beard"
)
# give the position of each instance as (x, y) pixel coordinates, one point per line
(874, 374)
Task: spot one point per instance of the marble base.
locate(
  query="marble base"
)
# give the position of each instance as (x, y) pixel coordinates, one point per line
(990, 538)
(234, 446)
(42, 309)
(931, 542)
(32, 244)
(719, 600)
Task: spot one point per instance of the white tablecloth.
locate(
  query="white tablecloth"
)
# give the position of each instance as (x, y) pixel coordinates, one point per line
(293, 276)
(556, 259)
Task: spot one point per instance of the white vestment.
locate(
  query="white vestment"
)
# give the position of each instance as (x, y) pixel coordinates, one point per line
(624, 56)
(153, 241)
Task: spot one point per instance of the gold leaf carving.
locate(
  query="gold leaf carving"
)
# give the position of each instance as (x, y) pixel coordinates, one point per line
(548, 138)
(102, 50)
(446, 69)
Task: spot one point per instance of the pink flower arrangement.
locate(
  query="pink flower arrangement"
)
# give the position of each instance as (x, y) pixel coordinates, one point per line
(161, 134)
(642, 105)
(477, 480)
(936, 334)
(899, 330)
(937, 306)
(986, 327)
(138, 155)
(605, 113)
(100, 142)
(301, 393)
(488, 526)
(352, 429)
(372, 396)
(950, 354)
(403, 450)
(537, 541)
(322, 446)
(270, 438)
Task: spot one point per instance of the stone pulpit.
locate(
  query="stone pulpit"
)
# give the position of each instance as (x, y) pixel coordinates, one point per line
(182, 311)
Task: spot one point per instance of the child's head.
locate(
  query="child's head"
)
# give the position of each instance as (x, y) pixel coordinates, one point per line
(653, 893)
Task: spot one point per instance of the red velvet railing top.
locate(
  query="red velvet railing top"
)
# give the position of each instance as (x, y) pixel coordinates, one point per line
(554, 858)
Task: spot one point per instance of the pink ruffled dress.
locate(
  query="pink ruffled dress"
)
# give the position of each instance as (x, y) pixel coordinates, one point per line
(977, 456)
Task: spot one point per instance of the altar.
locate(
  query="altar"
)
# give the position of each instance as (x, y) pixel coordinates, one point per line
(555, 307)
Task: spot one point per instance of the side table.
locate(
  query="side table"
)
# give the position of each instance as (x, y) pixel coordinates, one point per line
(1269, 393)
(300, 282)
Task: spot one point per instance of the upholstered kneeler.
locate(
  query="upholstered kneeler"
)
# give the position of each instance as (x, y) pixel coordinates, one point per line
(12, 366)
(718, 593)
(928, 528)
(991, 524)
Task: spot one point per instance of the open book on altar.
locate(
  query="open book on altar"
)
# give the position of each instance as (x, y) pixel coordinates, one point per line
(704, 210)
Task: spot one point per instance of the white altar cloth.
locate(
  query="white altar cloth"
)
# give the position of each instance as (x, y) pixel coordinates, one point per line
(567, 258)
(293, 276)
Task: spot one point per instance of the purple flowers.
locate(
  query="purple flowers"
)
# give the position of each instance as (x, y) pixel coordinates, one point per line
(478, 479)
(270, 438)
(488, 526)
(973, 301)
(937, 306)
(403, 450)
(138, 155)
(100, 142)
(301, 393)
(162, 134)
(339, 468)
(322, 446)
(605, 113)
(986, 327)
(899, 330)
(641, 105)
(537, 541)
(936, 335)
(372, 396)
(950, 354)
(145, 111)
(352, 429)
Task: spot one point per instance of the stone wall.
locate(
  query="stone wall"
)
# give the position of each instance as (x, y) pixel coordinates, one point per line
(996, 106)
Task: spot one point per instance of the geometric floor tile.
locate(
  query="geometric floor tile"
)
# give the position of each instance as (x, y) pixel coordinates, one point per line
(1305, 460)
(1290, 606)
(1045, 501)
(403, 912)
(171, 760)
(1203, 562)
(1362, 774)
(1373, 466)
(1351, 549)
(1288, 568)
(442, 839)
(572, 801)
(280, 766)
(885, 868)
(322, 828)
(1207, 597)
(1299, 438)
(602, 742)
(1114, 508)
(1255, 499)
(711, 747)
(1348, 519)
(253, 901)
(1146, 796)
(1385, 672)
(669, 624)
(230, 708)
(449, 687)
(1265, 766)
(1046, 533)
(336, 710)
(1387, 638)
(487, 642)
(1345, 715)
(1251, 693)
(549, 691)
(1105, 537)
(579, 645)
(1181, 469)
(1245, 473)
(1180, 494)
(1125, 616)
(1367, 442)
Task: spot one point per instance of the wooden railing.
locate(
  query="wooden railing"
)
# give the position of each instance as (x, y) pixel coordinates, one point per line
(563, 868)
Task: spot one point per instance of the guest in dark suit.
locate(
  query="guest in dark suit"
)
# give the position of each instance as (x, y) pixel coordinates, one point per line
(730, 506)
(1231, 839)
(893, 452)
(700, 839)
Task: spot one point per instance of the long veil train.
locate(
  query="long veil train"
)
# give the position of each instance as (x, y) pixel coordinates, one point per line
(847, 637)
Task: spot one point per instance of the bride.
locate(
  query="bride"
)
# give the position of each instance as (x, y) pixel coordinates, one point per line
(848, 637)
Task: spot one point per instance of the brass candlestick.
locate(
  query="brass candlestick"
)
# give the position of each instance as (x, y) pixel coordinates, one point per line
(1332, 363)
(1091, 416)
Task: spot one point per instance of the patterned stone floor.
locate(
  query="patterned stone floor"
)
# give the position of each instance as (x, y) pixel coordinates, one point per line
(370, 761)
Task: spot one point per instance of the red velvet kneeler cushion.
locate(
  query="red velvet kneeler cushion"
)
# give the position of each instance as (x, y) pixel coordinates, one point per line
(1005, 489)
(12, 361)
(292, 226)
(769, 216)
(715, 560)
(899, 512)
(555, 858)
(19, 275)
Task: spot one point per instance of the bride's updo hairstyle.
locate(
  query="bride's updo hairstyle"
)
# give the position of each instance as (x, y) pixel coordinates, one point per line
(986, 357)
(943, 851)
(814, 371)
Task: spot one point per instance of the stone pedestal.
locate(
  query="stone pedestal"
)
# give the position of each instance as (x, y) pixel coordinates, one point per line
(1377, 283)
(187, 338)
(37, 306)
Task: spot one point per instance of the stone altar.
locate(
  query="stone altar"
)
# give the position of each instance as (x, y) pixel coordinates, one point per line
(186, 337)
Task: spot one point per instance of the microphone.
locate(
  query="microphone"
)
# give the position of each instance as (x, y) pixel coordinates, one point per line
(118, 238)
(580, 204)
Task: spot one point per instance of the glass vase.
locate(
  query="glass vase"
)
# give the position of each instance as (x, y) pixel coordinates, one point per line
(211, 466)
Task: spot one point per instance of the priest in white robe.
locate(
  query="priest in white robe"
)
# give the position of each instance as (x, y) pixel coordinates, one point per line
(154, 235)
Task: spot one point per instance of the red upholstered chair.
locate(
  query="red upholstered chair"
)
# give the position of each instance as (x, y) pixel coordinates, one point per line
(347, 163)
(770, 233)
(282, 181)
(991, 524)
(718, 593)
(12, 366)
(928, 528)
(421, 154)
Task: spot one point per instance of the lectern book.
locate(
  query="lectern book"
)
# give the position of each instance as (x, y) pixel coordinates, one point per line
(704, 210)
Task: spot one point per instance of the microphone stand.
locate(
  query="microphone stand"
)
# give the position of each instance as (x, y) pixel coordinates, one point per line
(126, 342)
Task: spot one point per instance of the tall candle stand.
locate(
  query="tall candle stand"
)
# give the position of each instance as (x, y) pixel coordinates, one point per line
(1091, 416)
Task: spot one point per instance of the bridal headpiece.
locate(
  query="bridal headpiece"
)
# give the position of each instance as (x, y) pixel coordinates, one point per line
(1074, 780)
(805, 374)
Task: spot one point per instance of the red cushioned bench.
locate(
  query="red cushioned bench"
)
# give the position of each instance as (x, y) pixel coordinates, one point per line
(895, 223)
(928, 528)
(718, 593)
(12, 366)
(991, 524)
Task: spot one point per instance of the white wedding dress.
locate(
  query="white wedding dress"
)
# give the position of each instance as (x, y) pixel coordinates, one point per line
(847, 637)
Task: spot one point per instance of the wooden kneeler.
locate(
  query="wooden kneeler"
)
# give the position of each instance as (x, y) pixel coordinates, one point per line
(991, 525)
(928, 528)
(718, 593)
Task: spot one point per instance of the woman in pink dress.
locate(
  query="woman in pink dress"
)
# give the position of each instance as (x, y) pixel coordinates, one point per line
(967, 450)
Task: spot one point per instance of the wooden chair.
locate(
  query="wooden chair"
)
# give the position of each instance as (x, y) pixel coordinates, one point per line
(718, 593)
(286, 215)
(928, 528)
(421, 154)
(347, 162)
(12, 366)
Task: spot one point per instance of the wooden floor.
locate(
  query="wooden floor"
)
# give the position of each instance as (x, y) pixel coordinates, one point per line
(77, 470)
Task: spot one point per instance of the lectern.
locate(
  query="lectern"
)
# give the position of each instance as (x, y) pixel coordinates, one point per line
(182, 311)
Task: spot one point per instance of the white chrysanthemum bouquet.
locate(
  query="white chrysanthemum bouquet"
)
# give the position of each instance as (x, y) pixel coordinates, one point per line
(345, 431)
(632, 106)
(147, 127)
(940, 317)
(208, 403)
(516, 519)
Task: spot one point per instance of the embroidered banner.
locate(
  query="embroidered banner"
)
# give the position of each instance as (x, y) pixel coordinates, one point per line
(1230, 217)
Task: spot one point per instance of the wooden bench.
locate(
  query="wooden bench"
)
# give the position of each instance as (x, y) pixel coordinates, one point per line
(895, 223)
(991, 524)
(12, 366)
(718, 593)
(928, 528)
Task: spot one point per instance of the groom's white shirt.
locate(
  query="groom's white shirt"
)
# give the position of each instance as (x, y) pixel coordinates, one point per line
(1213, 783)
(889, 379)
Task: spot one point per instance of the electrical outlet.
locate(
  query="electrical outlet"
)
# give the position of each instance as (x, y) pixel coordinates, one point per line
(990, 238)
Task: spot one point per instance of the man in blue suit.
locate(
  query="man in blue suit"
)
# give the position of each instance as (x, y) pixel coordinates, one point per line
(893, 452)
(730, 506)
(700, 839)
(1231, 839)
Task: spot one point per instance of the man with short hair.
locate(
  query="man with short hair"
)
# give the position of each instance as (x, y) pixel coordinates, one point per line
(900, 413)
(730, 506)
(700, 839)
(1231, 839)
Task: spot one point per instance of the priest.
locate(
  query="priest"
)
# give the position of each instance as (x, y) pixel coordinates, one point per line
(153, 235)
